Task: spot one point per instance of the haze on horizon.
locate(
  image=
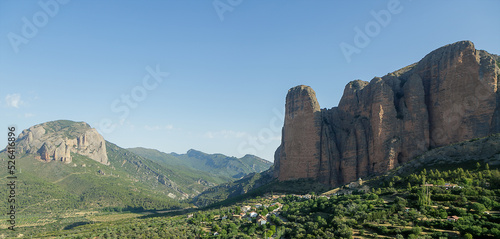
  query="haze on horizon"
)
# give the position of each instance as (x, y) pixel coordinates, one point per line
(209, 76)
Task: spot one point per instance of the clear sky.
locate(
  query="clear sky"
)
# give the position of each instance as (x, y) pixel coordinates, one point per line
(230, 63)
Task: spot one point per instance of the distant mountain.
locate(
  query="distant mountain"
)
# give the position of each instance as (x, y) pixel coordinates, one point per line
(216, 164)
(68, 165)
(65, 165)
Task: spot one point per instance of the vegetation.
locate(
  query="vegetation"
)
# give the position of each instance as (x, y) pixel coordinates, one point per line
(458, 203)
(218, 165)
(430, 197)
(253, 185)
(56, 195)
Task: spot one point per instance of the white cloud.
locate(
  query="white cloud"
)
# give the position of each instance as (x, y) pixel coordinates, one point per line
(225, 134)
(13, 100)
(158, 127)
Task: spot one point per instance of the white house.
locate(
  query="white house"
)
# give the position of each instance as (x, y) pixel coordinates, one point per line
(245, 208)
(261, 220)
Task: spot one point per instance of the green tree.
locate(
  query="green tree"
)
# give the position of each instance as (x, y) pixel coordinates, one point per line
(478, 207)
(487, 202)
(443, 214)
(265, 211)
(416, 230)
(273, 229)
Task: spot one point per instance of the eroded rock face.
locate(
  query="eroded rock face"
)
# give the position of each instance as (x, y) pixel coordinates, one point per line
(56, 140)
(302, 131)
(451, 95)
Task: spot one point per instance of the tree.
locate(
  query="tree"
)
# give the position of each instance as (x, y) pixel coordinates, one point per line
(443, 214)
(269, 233)
(495, 232)
(416, 230)
(215, 227)
(273, 229)
(401, 203)
(468, 236)
(252, 229)
(487, 202)
(478, 207)
(372, 196)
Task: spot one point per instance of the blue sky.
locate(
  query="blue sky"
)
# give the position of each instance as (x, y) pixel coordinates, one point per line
(229, 66)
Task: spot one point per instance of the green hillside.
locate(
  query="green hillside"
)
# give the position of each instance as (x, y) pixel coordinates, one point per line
(52, 187)
(461, 201)
(130, 181)
(51, 196)
(215, 164)
(464, 154)
(181, 183)
(252, 185)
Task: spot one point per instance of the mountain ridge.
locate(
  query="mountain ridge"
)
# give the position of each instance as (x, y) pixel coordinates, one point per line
(220, 164)
(77, 180)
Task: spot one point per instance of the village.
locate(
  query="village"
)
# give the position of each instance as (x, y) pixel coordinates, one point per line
(270, 214)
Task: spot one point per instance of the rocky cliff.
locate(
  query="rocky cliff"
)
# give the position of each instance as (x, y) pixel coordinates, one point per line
(450, 95)
(56, 140)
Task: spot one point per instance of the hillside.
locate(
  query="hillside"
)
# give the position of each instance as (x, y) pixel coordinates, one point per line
(463, 154)
(429, 202)
(215, 164)
(52, 195)
(62, 168)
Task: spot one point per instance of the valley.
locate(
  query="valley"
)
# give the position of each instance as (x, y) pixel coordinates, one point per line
(428, 203)
(412, 154)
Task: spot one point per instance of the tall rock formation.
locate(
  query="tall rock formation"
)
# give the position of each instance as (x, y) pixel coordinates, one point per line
(451, 95)
(56, 140)
(302, 129)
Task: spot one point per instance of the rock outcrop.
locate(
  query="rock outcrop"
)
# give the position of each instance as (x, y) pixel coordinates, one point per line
(302, 130)
(56, 140)
(451, 95)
